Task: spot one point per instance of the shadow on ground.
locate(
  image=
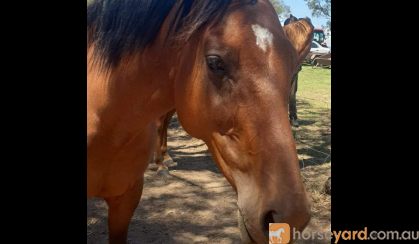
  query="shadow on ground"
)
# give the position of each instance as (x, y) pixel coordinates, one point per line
(313, 136)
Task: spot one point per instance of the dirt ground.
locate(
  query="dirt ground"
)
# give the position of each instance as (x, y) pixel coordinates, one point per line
(196, 204)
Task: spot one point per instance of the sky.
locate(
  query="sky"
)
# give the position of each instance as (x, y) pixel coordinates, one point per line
(300, 10)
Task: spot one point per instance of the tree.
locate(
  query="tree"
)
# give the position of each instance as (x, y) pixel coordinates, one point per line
(320, 8)
(281, 8)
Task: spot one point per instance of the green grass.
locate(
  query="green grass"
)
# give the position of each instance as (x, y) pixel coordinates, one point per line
(313, 109)
(315, 85)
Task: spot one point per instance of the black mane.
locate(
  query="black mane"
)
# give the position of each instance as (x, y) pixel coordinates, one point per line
(120, 27)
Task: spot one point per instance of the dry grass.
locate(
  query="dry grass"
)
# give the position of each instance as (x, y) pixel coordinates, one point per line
(314, 178)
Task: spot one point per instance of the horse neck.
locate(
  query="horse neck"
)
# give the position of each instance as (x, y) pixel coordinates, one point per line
(150, 74)
(139, 88)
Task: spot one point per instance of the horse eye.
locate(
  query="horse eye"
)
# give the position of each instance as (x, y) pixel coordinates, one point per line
(216, 64)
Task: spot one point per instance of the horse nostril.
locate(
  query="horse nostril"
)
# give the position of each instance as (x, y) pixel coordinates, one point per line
(269, 218)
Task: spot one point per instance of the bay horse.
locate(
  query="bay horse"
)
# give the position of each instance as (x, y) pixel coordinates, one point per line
(224, 66)
(292, 106)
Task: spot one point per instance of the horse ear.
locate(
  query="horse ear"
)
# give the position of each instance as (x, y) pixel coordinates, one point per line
(300, 34)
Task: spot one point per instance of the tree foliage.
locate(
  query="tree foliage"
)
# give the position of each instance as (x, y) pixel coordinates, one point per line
(280, 7)
(320, 8)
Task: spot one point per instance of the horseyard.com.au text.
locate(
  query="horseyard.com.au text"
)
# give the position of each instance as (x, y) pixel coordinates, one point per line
(283, 236)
